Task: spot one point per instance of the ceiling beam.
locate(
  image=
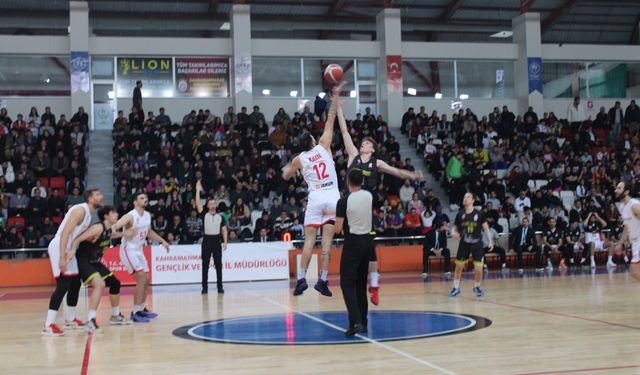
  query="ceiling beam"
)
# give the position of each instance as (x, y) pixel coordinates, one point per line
(335, 7)
(557, 14)
(451, 9)
(526, 5)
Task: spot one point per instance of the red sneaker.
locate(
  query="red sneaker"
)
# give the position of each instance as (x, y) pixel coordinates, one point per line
(375, 299)
(52, 330)
(74, 324)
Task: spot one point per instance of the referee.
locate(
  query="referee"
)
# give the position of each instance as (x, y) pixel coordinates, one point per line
(353, 214)
(215, 230)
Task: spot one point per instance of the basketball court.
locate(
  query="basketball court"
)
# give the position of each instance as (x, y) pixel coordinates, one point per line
(560, 323)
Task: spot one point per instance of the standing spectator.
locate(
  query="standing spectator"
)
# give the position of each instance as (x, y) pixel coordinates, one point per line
(137, 95)
(162, 118)
(256, 116)
(632, 117)
(319, 107)
(80, 119)
(575, 113)
(48, 116)
(616, 119)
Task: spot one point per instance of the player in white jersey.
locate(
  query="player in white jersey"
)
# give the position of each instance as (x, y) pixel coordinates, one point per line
(319, 172)
(631, 232)
(137, 224)
(76, 220)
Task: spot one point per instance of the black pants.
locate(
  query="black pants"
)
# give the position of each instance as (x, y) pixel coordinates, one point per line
(354, 266)
(532, 249)
(211, 245)
(497, 250)
(426, 253)
(69, 285)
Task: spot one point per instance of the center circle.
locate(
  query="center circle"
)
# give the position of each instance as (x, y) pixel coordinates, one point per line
(327, 327)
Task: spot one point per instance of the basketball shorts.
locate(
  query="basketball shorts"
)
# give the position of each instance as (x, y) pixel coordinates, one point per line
(89, 271)
(54, 258)
(133, 259)
(595, 239)
(467, 250)
(319, 202)
(635, 250)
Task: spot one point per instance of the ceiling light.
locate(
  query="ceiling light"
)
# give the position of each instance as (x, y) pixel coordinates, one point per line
(225, 26)
(293, 93)
(412, 91)
(503, 34)
(47, 80)
(266, 92)
(464, 96)
(352, 94)
(322, 95)
(438, 95)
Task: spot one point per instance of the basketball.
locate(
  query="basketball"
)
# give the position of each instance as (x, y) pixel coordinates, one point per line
(333, 73)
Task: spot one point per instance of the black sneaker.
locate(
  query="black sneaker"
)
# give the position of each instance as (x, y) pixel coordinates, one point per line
(323, 287)
(357, 328)
(204, 291)
(301, 286)
(220, 291)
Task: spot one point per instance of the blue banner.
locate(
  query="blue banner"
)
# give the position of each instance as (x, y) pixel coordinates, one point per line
(80, 71)
(534, 70)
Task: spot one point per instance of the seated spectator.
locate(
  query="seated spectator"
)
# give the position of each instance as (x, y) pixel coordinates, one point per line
(18, 203)
(523, 239)
(47, 231)
(412, 223)
(435, 244)
(36, 208)
(282, 224)
(262, 235)
(74, 197)
(194, 227)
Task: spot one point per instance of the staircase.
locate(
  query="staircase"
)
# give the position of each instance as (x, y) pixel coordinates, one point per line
(409, 151)
(100, 163)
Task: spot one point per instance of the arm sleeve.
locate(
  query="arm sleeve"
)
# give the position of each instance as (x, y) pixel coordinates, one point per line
(341, 208)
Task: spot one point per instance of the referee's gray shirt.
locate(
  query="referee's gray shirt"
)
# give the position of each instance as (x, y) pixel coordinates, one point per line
(213, 224)
(355, 208)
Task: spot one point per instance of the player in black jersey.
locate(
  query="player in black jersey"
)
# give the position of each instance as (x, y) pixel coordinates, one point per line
(593, 224)
(573, 242)
(467, 229)
(90, 246)
(371, 167)
(551, 243)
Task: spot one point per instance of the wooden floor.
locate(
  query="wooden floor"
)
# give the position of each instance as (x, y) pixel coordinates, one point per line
(559, 324)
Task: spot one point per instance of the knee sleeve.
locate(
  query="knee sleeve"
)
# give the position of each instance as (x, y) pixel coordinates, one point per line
(113, 284)
(62, 287)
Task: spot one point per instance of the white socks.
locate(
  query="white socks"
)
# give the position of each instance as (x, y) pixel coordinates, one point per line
(324, 274)
(302, 273)
(136, 308)
(476, 285)
(91, 315)
(610, 259)
(375, 279)
(115, 311)
(456, 284)
(51, 317)
(71, 313)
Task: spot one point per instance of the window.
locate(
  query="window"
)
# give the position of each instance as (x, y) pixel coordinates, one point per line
(486, 79)
(314, 76)
(34, 75)
(102, 67)
(593, 80)
(427, 78)
(276, 77)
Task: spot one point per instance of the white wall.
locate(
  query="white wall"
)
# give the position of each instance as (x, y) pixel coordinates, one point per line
(159, 46)
(473, 51)
(59, 105)
(481, 107)
(590, 53)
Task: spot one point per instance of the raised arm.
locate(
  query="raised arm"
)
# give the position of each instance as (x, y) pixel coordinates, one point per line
(199, 207)
(351, 149)
(290, 170)
(400, 173)
(327, 134)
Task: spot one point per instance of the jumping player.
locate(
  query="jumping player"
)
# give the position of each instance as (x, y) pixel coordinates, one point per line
(631, 232)
(466, 229)
(365, 161)
(91, 245)
(319, 172)
(132, 256)
(75, 221)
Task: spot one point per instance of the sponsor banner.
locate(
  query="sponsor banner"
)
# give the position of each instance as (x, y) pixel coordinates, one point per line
(534, 70)
(156, 74)
(241, 262)
(111, 259)
(202, 76)
(394, 73)
(242, 72)
(79, 65)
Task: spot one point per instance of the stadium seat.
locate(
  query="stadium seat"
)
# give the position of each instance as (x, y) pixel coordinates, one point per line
(44, 181)
(16, 221)
(532, 185)
(56, 220)
(57, 183)
(500, 173)
(505, 225)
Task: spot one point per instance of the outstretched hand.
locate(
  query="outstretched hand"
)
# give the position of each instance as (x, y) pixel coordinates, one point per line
(199, 186)
(335, 91)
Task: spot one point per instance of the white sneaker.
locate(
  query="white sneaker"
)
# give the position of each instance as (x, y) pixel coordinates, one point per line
(593, 264)
(539, 269)
(447, 273)
(520, 270)
(92, 326)
(425, 275)
(119, 320)
(504, 267)
(549, 266)
(611, 265)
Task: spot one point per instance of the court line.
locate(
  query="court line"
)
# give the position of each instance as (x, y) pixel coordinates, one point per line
(544, 311)
(579, 370)
(2, 295)
(87, 354)
(365, 338)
